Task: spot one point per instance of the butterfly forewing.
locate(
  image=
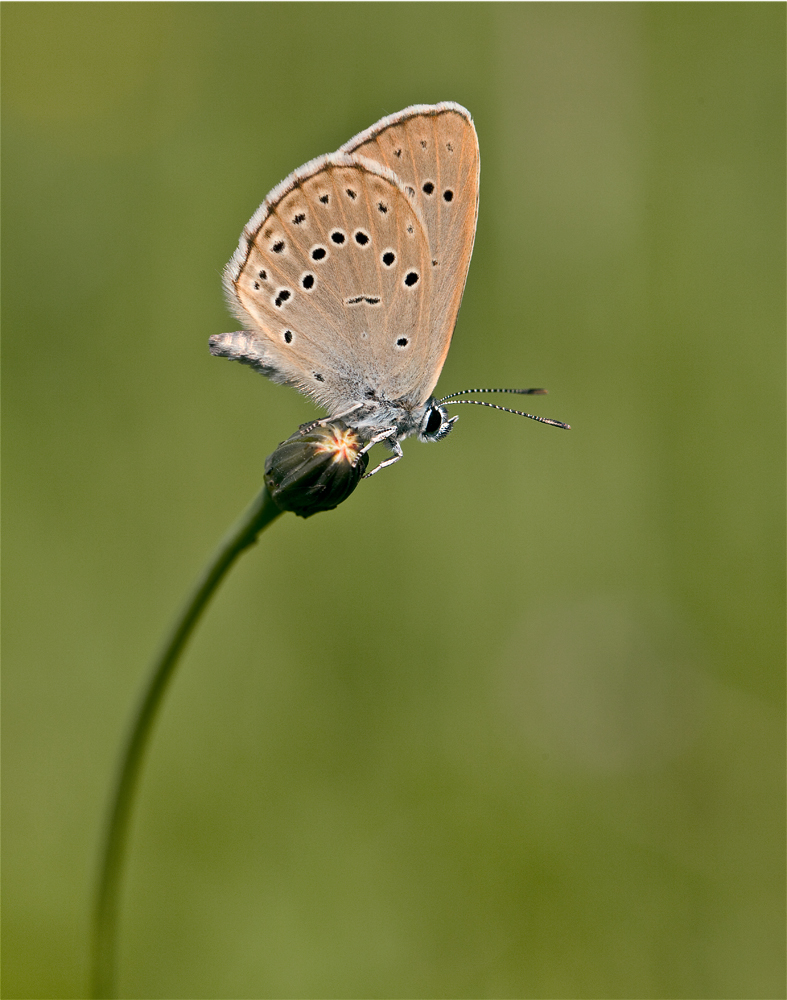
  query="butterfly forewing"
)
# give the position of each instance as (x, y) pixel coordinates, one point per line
(434, 152)
(334, 272)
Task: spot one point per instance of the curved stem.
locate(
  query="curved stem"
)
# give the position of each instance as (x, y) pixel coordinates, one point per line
(258, 516)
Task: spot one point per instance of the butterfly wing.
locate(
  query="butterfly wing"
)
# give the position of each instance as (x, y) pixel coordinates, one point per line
(433, 150)
(333, 280)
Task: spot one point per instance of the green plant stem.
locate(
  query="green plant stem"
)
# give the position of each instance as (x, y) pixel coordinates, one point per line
(258, 516)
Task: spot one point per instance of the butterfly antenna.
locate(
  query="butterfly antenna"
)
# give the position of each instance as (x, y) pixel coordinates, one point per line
(518, 392)
(505, 409)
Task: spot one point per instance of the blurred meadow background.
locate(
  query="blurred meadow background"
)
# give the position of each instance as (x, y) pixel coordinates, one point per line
(509, 722)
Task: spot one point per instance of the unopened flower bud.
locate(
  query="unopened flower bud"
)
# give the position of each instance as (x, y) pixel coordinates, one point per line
(315, 469)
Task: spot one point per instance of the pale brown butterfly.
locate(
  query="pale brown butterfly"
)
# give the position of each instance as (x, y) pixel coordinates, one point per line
(349, 276)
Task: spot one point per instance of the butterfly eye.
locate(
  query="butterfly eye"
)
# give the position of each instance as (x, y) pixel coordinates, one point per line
(308, 281)
(411, 278)
(448, 195)
(428, 188)
(319, 253)
(389, 258)
(436, 424)
(434, 421)
(361, 238)
(338, 237)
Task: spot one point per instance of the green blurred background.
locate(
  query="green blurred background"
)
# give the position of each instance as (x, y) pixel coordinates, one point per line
(509, 723)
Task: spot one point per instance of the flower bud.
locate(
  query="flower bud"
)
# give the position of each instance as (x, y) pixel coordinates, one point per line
(315, 469)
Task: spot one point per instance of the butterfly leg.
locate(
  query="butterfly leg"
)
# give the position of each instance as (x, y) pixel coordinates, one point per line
(377, 439)
(308, 428)
(389, 461)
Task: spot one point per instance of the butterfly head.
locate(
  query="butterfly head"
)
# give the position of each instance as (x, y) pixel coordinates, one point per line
(435, 422)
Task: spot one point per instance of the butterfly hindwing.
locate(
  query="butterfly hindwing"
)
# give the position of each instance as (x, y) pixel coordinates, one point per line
(333, 276)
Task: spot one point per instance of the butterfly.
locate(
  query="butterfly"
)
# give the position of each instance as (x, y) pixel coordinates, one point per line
(349, 276)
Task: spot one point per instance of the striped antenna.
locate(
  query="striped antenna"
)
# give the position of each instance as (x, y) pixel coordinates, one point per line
(518, 392)
(519, 413)
(452, 399)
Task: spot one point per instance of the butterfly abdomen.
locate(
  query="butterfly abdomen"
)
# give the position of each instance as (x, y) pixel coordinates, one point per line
(244, 346)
